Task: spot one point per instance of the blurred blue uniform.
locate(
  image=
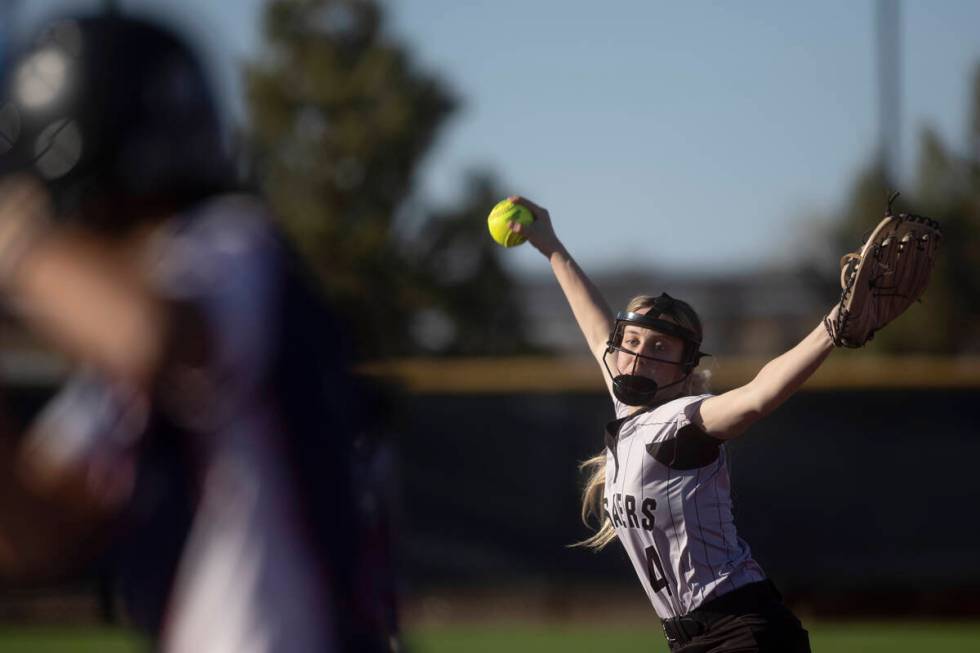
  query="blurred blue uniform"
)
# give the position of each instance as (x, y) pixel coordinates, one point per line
(243, 530)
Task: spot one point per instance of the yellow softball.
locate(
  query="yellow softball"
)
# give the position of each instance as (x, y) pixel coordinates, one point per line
(499, 221)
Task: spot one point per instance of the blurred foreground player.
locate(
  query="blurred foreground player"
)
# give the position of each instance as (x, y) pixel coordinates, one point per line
(205, 419)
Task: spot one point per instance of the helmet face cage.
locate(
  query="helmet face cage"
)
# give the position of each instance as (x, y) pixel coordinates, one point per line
(635, 390)
(690, 357)
(615, 344)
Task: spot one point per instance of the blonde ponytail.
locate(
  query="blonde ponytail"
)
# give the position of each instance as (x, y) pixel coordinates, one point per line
(595, 467)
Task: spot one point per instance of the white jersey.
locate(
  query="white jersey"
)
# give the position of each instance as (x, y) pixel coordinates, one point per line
(668, 495)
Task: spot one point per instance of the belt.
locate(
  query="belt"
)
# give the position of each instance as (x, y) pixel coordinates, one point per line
(743, 600)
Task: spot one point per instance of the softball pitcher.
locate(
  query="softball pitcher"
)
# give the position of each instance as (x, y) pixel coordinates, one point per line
(661, 485)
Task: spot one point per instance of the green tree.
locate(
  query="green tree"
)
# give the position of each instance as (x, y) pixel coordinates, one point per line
(947, 188)
(340, 120)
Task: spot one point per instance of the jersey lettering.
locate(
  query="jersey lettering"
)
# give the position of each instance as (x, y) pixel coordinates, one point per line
(649, 505)
(617, 510)
(620, 509)
(631, 519)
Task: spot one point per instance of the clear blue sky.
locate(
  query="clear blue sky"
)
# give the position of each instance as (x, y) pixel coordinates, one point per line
(698, 135)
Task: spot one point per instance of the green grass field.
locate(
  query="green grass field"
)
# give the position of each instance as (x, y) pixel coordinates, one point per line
(67, 640)
(890, 637)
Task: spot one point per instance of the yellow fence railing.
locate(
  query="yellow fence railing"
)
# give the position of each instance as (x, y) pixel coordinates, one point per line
(844, 370)
(553, 375)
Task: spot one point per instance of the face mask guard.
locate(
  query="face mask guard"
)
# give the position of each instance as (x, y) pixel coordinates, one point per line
(636, 390)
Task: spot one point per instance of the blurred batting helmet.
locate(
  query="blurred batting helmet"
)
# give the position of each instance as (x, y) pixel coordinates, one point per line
(116, 116)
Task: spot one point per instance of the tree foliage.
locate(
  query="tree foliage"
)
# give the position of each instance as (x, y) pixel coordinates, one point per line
(340, 121)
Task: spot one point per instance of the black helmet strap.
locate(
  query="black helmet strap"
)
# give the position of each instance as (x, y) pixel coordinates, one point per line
(663, 326)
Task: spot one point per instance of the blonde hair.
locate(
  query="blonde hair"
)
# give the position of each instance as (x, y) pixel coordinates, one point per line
(595, 467)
